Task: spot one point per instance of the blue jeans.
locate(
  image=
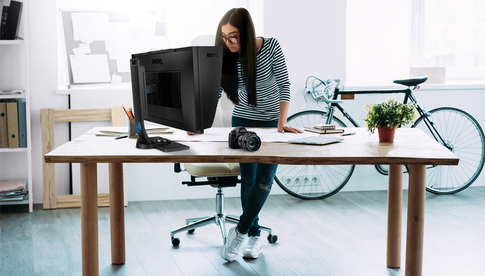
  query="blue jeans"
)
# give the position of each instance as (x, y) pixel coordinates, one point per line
(256, 182)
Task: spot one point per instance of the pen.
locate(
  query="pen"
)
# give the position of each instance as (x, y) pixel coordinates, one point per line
(121, 137)
(127, 114)
(348, 133)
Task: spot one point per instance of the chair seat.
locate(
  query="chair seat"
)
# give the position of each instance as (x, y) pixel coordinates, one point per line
(219, 175)
(213, 169)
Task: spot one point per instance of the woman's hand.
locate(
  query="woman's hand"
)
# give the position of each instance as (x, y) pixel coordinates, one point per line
(282, 120)
(283, 127)
(190, 133)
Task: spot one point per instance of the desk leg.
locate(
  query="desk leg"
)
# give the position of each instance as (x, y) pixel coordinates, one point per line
(415, 221)
(117, 213)
(89, 219)
(394, 216)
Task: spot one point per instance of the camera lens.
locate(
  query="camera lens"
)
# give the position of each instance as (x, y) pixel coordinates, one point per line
(249, 141)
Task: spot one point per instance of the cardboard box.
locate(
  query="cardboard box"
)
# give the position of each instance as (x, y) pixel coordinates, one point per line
(435, 74)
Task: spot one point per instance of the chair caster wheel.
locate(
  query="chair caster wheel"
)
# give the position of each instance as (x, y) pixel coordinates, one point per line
(272, 238)
(191, 231)
(175, 241)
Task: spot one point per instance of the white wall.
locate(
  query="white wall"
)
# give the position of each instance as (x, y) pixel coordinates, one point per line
(312, 35)
(42, 29)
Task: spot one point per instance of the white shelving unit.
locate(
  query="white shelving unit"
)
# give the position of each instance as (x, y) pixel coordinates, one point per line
(16, 163)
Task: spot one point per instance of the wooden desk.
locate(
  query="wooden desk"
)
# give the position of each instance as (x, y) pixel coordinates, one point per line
(411, 147)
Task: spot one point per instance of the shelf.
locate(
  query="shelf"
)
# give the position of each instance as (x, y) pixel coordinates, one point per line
(13, 96)
(12, 42)
(14, 149)
(14, 65)
(464, 85)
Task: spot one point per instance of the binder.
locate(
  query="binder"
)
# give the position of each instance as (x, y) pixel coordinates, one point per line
(3, 125)
(3, 22)
(13, 20)
(12, 125)
(22, 123)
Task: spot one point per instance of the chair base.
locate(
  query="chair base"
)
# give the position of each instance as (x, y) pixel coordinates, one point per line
(219, 218)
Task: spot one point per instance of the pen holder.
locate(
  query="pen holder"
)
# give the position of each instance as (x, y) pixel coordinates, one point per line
(132, 129)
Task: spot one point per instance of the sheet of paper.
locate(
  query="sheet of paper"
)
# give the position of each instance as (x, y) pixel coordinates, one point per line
(90, 68)
(216, 134)
(89, 26)
(84, 48)
(115, 79)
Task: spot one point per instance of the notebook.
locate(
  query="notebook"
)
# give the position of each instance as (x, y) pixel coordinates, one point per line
(316, 140)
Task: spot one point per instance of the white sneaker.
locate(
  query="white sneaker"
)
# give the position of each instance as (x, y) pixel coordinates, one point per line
(230, 250)
(254, 248)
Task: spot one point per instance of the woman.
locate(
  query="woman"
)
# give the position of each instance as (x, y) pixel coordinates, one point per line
(255, 78)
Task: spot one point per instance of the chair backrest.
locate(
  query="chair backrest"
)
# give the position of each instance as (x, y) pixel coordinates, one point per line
(223, 112)
(48, 118)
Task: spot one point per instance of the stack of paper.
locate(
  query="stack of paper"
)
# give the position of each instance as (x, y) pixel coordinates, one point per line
(11, 92)
(13, 190)
(324, 130)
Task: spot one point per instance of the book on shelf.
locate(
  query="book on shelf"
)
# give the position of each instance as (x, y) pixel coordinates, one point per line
(3, 125)
(22, 121)
(13, 20)
(323, 131)
(3, 22)
(13, 123)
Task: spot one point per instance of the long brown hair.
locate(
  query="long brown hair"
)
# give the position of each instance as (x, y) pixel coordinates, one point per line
(241, 19)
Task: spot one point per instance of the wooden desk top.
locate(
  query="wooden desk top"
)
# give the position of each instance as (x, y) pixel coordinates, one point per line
(411, 146)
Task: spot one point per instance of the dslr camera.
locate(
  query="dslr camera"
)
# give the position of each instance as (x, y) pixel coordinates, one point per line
(240, 137)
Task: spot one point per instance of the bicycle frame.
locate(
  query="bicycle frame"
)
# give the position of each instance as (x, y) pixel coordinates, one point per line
(408, 96)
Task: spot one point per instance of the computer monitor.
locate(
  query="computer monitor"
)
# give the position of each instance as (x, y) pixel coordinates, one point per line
(177, 88)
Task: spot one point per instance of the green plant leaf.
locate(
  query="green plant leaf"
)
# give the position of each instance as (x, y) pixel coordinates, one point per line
(391, 113)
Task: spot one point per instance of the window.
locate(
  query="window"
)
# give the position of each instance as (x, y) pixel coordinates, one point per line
(386, 38)
(450, 34)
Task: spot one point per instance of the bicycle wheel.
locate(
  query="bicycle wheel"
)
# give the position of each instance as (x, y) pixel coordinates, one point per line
(464, 137)
(312, 181)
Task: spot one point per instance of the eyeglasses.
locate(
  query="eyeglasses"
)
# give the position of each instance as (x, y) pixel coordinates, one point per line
(232, 39)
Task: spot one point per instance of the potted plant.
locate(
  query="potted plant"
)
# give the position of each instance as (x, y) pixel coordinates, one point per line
(387, 117)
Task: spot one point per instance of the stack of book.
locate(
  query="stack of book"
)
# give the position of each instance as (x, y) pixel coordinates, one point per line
(10, 20)
(13, 190)
(13, 124)
(324, 129)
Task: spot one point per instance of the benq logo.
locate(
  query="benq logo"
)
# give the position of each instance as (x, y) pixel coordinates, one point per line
(157, 61)
(212, 55)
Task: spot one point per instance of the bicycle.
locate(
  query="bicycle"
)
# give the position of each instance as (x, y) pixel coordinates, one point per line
(452, 127)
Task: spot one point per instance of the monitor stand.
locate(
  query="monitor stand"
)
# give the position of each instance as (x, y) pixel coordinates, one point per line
(163, 144)
(160, 143)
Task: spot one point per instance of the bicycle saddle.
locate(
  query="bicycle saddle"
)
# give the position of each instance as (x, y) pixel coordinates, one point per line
(412, 82)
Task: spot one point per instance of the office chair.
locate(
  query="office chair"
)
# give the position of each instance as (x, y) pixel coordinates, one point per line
(219, 175)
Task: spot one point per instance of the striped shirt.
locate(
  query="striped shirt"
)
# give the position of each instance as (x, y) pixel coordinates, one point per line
(272, 84)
